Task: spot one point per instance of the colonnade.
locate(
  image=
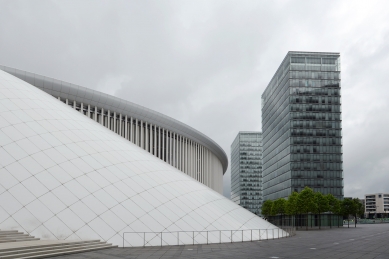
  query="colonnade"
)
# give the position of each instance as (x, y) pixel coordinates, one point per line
(180, 152)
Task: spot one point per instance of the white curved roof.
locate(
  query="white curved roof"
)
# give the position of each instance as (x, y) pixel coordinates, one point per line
(64, 176)
(78, 93)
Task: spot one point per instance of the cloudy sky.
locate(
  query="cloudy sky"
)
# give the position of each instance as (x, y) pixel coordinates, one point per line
(206, 63)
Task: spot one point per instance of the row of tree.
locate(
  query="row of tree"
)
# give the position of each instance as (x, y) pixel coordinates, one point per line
(308, 201)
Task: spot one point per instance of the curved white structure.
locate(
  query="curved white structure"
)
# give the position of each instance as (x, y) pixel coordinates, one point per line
(64, 176)
(181, 146)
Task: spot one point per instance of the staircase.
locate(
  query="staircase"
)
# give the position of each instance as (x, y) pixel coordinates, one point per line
(14, 244)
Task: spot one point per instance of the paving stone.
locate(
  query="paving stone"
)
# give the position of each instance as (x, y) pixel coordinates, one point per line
(365, 241)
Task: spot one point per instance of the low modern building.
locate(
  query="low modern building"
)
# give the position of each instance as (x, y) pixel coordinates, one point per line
(246, 171)
(377, 205)
(302, 126)
(64, 176)
(172, 141)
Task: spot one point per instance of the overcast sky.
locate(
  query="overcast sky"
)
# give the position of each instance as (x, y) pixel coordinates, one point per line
(206, 63)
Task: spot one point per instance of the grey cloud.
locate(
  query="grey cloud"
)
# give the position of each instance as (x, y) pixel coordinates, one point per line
(206, 63)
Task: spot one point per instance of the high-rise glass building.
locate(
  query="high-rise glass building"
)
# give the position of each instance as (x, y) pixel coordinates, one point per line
(301, 126)
(246, 171)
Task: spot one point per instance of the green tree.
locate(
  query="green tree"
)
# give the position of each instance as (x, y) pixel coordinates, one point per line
(358, 209)
(348, 207)
(279, 207)
(291, 205)
(333, 207)
(321, 205)
(306, 202)
(267, 207)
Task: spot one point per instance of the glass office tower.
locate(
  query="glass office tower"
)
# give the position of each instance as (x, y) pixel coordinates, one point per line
(301, 123)
(246, 171)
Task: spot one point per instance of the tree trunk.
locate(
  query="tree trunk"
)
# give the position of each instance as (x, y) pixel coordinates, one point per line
(355, 220)
(348, 222)
(338, 220)
(329, 216)
(319, 220)
(307, 221)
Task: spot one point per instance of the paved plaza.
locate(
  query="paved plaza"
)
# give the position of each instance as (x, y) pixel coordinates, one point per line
(365, 241)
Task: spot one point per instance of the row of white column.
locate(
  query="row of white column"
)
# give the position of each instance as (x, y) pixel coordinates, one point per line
(184, 154)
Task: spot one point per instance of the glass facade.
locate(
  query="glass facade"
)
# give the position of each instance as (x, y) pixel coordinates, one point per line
(301, 125)
(246, 171)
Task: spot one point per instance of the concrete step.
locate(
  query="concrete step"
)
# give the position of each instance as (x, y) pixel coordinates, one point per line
(15, 244)
(18, 240)
(57, 251)
(10, 232)
(37, 247)
(19, 234)
(41, 243)
(16, 237)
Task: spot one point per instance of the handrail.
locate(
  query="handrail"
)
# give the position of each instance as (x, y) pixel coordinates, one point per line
(270, 234)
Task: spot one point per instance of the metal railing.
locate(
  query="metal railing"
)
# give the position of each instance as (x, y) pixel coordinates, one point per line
(139, 239)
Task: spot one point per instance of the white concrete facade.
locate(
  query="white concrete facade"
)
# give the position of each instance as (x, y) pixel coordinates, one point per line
(376, 203)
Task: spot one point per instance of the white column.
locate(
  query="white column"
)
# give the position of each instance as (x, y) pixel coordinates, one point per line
(67, 101)
(120, 125)
(126, 127)
(170, 147)
(146, 137)
(88, 111)
(151, 138)
(196, 162)
(109, 119)
(154, 139)
(141, 134)
(200, 171)
(202, 163)
(163, 144)
(190, 158)
(102, 117)
(174, 149)
(74, 105)
(114, 122)
(136, 133)
(158, 138)
(186, 156)
(183, 155)
(95, 114)
(131, 131)
(206, 167)
(180, 152)
(82, 108)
